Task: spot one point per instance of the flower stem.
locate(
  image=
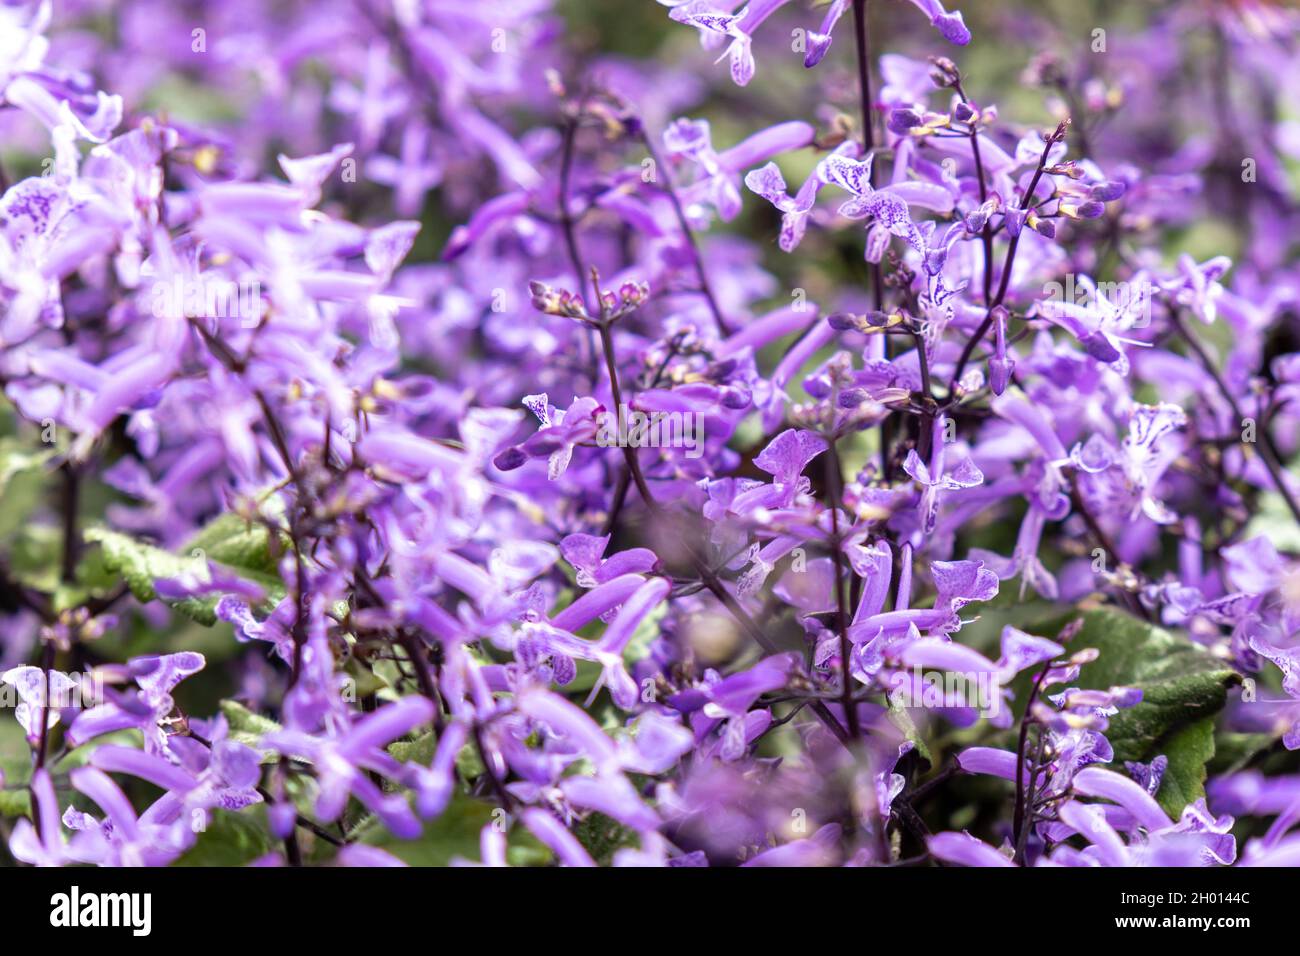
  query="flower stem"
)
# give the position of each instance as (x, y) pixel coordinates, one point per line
(1268, 451)
(862, 41)
(862, 45)
(1019, 827)
(701, 275)
(834, 479)
(706, 574)
(567, 225)
(1007, 264)
(986, 234)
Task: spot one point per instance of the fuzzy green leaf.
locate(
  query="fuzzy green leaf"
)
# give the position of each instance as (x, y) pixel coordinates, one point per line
(1183, 688)
(1188, 750)
(234, 542)
(141, 564)
(603, 836)
(228, 838)
(455, 833)
(247, 727)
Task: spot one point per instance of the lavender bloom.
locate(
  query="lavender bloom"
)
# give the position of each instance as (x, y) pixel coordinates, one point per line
(343, 760)
(717, 27)
(42, 694)
(950, 25)
(147, 709)
(819, 42)
(364, 463)
(938, 477)
(717, 173)
(885, 206)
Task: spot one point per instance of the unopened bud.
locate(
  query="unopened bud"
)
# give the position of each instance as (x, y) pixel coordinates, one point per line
(1108, 191)
(900, 121)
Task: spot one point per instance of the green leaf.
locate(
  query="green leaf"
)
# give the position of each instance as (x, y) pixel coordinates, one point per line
(138, 563)
(455, 833)
(22, 494)
(15, 766)
(236, 543)
(900, 718)
(230, 838)
(1233, 751)
(15, 802)
(16, 457)
(247, 727)
(92, 579)
(141, 564)
(185, 98)
(34, 556)
(419, 750)
(1273, 521)
(469, 764)
(1183, 688)
(367, 680)
(23, 477)
(1188, 749)
(602, 836)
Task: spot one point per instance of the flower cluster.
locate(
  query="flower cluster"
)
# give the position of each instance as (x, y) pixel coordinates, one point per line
(959, 524)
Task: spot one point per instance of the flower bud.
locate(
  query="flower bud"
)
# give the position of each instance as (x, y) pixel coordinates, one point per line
(510, 459)
(1108, 191)
(282, 818)
(1000, 366)
(1069, 169)
(900, 121)
(1126, 696)
(1015, 219)
(945, 72)
(853, 397)
(737, 397)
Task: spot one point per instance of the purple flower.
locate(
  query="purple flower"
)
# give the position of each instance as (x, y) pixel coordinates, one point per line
(342, 761)
(717, 27)
(950, 25)
(146, 709)
(717, 173)
(237, 385)
(939, 476)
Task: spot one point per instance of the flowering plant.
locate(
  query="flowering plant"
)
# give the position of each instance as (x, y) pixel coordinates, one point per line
(490, 434)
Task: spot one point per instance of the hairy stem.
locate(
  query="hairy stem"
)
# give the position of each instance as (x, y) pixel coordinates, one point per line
(1005, 281)
(1268, 451)
(701, 566)
(696, 257)
(834, 479)
(862, 47)
(1018, 827)
(986, 234)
